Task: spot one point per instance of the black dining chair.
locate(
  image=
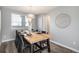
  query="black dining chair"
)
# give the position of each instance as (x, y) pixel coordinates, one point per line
(16, 39)
(21, 45)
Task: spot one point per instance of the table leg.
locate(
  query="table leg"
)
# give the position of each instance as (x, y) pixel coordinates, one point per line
(48, 44)
(41, 46)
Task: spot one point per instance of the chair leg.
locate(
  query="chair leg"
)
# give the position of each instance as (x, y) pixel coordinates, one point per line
(31, 48)
(23, 51)
(19, 50)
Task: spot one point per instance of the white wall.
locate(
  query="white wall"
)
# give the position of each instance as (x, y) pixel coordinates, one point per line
(8, 32)
(0, 20)
(0, 26)
(70, 35)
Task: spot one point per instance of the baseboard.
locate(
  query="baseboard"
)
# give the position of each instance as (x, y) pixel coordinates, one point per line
(7, 40)
(65, 46)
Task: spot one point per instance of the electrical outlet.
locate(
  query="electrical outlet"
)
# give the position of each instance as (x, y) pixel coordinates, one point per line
(74, 43)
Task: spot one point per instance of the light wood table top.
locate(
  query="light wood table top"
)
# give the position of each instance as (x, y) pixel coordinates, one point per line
(36, 37)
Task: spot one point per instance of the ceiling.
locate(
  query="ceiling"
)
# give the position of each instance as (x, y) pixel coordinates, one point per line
(32, 9)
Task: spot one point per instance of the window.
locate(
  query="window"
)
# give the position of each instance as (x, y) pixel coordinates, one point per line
(18, 20)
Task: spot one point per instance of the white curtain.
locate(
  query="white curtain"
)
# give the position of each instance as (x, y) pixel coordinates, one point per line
(43, 23)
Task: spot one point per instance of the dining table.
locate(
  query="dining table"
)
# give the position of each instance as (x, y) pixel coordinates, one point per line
(38, 39)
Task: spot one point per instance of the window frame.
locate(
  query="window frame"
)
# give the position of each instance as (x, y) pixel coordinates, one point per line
(14, 14)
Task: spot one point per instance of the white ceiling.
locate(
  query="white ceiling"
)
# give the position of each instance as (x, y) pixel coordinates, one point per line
(32, 9)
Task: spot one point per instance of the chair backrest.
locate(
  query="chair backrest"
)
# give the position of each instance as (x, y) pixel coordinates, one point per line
(19, 41)
(17, 38)
(44, 32)
(36, 30)
(16, 32)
